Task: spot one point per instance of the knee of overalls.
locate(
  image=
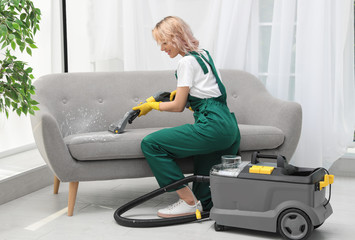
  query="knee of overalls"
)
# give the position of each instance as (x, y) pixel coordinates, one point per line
(146, 144)
(150, 146)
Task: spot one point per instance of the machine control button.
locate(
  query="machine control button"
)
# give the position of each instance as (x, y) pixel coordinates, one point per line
(261, 169)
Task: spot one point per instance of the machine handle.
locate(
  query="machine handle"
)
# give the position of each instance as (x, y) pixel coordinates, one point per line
(162, 97)
(281, 160)
(134, 115)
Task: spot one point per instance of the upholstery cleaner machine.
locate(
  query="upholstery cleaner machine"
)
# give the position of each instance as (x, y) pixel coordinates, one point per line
(264, 196)
(271, 196)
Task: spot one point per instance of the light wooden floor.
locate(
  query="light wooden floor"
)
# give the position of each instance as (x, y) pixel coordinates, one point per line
(42, 215)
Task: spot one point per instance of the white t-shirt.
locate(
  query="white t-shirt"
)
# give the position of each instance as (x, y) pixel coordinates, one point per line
(190, 74)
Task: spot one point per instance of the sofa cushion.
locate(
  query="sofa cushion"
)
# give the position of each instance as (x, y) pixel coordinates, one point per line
(254, 137)
(106, 145)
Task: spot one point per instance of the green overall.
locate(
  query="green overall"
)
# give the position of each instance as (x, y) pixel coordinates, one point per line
(214, 133)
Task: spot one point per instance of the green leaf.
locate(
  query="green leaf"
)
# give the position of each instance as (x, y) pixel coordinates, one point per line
(34, 102)
(11, 37)
(31, 111)
(14, 105)
(4, 45)
(16, 26)
(16, 2)
(7, 102)
(19, 21)
(29, 40)
(33, 46)
(13, 45)
(9, 24)
(18, 111)
(24, 109)
(2, 38)
(18, 41)
(17, 35)
(3, 30)
(23, 16)
(29, 51)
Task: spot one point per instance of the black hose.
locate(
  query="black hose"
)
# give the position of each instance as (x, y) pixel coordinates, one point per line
(140, 223)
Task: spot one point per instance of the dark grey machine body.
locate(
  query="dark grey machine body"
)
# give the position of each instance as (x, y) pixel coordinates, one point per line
(256, 201)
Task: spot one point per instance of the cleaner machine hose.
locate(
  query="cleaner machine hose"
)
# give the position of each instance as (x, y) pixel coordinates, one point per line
(140, 223)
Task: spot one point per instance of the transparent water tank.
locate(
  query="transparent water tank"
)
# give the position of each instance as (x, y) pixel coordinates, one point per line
(231, 166)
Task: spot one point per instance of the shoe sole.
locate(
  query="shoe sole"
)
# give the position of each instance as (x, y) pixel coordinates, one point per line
(174, 215)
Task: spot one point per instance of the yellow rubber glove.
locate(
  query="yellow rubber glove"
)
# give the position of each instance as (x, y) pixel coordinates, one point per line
(150, 99)
(172, 95)
(147, 107)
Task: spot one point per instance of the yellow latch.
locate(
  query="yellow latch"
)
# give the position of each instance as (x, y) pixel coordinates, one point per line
(198, 214)
(261, 169)
(328, 179)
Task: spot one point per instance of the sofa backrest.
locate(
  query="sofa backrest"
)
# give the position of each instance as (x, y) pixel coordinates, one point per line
(86, 102)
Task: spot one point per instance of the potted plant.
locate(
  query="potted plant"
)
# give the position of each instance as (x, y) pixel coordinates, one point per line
(19, 22)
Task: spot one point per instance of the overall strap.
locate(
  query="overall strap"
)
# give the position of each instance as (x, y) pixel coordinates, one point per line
(205, 70)
(219, 82)
(199, 60)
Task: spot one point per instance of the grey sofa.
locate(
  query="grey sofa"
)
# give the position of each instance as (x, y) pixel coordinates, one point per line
(70, 129)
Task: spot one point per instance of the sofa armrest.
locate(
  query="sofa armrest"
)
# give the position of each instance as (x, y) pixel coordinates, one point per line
(51, 145)
(289, 120)
(285, 115)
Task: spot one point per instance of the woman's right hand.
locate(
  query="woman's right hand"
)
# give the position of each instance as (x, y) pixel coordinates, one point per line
(145, 108)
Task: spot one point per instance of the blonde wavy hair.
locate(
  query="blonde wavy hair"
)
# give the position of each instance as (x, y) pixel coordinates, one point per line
(176, 31)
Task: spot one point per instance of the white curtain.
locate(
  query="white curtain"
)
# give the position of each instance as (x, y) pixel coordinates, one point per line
(121, 33)
(281, 48)
(324, 83)
(323, 77)
(310, 60)
(124, 37)
(237, 44)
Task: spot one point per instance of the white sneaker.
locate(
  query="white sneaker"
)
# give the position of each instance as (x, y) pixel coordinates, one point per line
(180, 208)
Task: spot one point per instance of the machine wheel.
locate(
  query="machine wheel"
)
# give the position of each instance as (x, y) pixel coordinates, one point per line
(218, 227)
(294, 224)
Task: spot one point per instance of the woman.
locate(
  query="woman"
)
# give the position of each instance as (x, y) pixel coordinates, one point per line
(215, 131)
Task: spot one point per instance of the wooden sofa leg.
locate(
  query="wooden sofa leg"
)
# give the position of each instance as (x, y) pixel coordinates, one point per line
(56, 185)
(73, 189)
